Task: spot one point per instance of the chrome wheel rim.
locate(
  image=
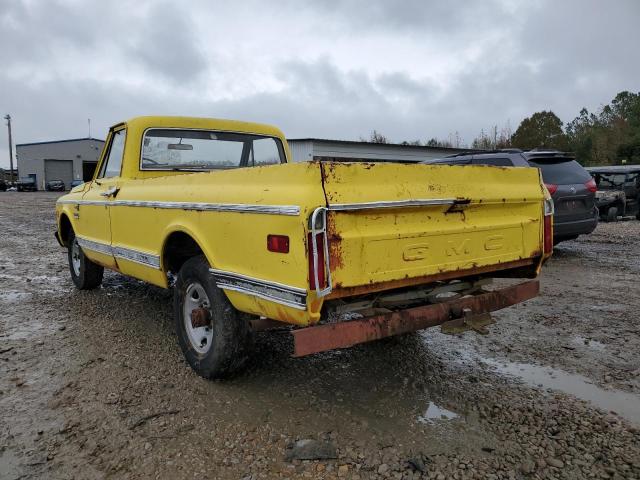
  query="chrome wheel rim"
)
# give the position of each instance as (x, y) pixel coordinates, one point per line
(195, 298)
(75, 257)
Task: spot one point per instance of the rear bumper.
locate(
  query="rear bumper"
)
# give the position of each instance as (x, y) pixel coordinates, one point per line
(563, 229)
(325, 337)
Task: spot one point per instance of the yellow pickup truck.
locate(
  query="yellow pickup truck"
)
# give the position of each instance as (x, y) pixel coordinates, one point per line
(342, 252)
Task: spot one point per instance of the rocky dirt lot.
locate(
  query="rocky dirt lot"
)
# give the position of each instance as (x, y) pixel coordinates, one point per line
(93, 385)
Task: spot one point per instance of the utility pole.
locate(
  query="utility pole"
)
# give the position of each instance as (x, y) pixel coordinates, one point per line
(7, 117)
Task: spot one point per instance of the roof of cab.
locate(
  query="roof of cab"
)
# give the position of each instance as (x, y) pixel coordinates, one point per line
(199, 123)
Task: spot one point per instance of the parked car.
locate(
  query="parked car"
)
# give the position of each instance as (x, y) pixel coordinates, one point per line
(75, 183)
(55, 186)
(618, 190)
(570, 185)
(26, 184)
(216, 210)
(3, 186)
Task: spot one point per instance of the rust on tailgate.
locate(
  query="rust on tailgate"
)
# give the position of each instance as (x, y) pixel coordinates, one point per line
(335, 246)
(321, 338)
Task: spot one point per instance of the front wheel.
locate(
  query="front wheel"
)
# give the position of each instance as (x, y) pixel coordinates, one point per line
(85, 274)
(211, 332)
(612, 214)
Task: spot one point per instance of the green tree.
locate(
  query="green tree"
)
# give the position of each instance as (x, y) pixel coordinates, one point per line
(611, 136)
(540, 130)
(581, 132)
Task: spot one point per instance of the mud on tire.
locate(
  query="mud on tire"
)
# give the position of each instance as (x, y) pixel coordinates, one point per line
(85, 274)
(213, 335)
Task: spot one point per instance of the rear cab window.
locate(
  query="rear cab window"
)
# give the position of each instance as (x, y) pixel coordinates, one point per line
(178, 149)
(561, 171)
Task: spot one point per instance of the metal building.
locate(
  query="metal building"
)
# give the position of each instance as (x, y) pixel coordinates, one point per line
(306, 149)
(65, 160)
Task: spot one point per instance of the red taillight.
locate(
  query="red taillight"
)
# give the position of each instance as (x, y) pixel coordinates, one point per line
(552, 187)
(591, 186)
(320, 249)
(548, 234)
(278, 243)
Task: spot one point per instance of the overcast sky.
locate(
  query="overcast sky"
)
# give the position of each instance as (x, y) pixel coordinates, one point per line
(330, 69)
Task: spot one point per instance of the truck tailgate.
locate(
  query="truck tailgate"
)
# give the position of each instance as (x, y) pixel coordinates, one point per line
(389, 222)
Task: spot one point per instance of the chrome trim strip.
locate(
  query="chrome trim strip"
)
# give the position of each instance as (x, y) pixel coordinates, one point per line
(391, 204)
(82, 202)
(287, 295)
(147, 259)
(95, 246)
(291, 210)
(143, 258)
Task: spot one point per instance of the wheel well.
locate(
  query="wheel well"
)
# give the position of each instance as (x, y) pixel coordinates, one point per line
(65, 229)
(179, 248)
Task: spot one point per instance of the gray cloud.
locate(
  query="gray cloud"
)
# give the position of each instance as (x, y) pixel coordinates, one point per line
(165, 44)
(329, 69)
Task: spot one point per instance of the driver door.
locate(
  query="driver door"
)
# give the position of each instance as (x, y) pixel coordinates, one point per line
(93, 214)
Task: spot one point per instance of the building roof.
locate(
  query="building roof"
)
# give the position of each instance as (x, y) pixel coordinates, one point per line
(59, 141)
(360, 142)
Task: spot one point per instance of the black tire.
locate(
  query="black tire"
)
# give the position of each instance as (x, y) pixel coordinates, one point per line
(612, 214)
(225, 352)
(88, 275)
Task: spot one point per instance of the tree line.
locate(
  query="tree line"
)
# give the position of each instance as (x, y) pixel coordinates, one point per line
(609, 136)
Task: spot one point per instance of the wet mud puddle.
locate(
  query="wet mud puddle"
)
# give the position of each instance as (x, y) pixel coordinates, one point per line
(627, 405)
(435, 414)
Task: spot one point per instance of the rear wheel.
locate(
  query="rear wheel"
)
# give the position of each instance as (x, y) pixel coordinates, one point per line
(612, 214)
(85, 274)
(212, 334)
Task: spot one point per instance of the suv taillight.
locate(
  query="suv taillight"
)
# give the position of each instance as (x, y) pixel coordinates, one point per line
(552, 187)
(591, 186)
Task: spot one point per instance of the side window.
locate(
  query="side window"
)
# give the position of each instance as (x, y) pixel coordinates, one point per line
(264, 152)
(496, 162)
(113, 162)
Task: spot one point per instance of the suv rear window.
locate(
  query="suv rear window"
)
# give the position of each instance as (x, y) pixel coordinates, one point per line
(561, 171)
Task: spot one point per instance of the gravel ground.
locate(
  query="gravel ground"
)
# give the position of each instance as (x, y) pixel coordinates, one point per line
(93, 385)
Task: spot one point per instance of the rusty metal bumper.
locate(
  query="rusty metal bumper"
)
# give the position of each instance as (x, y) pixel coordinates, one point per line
(325, 337)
